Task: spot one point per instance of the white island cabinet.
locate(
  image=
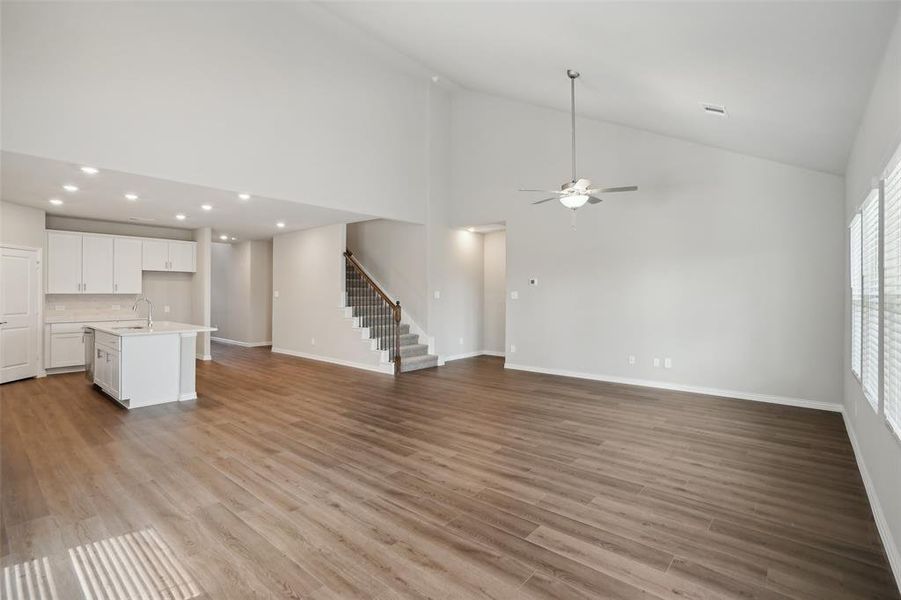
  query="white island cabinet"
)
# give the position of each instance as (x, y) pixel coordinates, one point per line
(142, 366)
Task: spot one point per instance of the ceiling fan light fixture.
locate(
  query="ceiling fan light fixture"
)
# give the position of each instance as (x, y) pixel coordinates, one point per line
(574, 201)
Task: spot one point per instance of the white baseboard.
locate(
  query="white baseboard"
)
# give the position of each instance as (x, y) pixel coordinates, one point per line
(204, 357)
(706, 391)
(238, 343)
(387, 369)
(493, 353)
(888, 541)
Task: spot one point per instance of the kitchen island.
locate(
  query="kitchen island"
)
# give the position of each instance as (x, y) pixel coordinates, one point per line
(145, 365)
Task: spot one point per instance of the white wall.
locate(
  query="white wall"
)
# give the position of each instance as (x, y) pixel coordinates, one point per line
(320, 100)
(21, 225)
(393, 253)
(241, 295)
(455, 259)
(308, 274)
(722, 262)
(877, 139)
(201, 289)
(494, 309)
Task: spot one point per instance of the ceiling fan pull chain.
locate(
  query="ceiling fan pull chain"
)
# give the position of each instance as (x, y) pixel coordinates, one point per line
(573, 211)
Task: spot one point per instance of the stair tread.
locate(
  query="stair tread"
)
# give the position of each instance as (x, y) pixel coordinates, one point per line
(415, 363)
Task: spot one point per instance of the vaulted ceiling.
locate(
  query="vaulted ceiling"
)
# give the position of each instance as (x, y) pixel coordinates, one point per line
(793, 76)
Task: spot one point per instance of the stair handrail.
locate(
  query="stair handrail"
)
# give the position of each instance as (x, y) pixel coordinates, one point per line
(394, 305)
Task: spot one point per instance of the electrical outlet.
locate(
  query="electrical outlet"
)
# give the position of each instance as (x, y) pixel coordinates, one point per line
(514, 295)
(668, 363)
(166, 308)
(512, 348)
(437, 295)
(275, 294)
(461, 341)
(631, 359)
(656, 362)
(312, 341)
(533, 281)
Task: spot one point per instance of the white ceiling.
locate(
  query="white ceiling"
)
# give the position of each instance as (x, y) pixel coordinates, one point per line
(794, 76)
(33, 181)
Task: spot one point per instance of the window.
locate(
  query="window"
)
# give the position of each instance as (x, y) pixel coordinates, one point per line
(870, 292)
(892, 305)
(856, 296)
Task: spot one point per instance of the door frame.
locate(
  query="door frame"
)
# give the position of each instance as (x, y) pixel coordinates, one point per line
(39, 255)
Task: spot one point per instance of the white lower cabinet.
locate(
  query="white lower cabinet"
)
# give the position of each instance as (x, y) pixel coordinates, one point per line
(64, 344)
(107, 371)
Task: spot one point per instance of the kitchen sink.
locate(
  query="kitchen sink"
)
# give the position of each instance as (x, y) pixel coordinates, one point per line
(132, 327)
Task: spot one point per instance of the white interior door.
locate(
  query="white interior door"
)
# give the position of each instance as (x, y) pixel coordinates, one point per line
(127, 262)
(96, 265)
(18, 314)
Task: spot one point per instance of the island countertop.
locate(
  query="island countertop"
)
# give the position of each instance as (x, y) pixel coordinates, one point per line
(158, 328)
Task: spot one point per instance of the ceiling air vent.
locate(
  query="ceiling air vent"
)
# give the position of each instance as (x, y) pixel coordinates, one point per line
(141, 219)
(714, 109)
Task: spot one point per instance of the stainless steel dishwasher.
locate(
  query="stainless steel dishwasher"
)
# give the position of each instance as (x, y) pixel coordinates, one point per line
(88, 337)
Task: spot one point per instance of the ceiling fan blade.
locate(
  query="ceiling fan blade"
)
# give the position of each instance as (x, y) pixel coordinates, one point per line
(542, 191)
(594, 200)
(545, 200)
(627, 188)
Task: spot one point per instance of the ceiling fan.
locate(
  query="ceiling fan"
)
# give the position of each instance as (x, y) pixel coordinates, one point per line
(575, 193)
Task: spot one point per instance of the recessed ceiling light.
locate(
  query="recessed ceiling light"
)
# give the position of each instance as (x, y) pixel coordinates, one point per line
(180, 217)
(55, 201)
(471, 229)
(234, 238)
(223, 237)
(90, 170)
(70, 188)
(244, 196)
(206, 206)
(714, 109)
(131, 197)
(280, 225)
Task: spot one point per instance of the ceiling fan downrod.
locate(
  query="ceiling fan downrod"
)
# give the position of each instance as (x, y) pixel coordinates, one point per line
(573, 75)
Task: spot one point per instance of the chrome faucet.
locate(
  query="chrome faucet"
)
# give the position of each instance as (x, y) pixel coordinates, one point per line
(149, 308)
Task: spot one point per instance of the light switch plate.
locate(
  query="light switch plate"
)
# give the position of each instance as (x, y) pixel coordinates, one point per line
(166, 308)
(631, 359)
(512, 348)
(437, 295)
(668, 363)
(275, 294)
(514, 295)
(656, 362)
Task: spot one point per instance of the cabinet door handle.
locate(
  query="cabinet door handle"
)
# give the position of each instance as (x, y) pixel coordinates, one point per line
(115, 287)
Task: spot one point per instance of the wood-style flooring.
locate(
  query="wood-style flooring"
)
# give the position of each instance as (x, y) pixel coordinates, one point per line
(290, 478)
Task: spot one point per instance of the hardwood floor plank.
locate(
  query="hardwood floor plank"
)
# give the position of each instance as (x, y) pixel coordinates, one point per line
(298, 479)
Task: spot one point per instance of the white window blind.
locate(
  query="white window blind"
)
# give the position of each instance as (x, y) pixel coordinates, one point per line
(856, 293)
(892, 290)
(870, 272)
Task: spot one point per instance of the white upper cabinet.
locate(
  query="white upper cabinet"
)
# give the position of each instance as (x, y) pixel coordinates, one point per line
(64, 263)
(156, 255)
(166, 255)
(84, 263)
(182, 256)
(96, 264)
(127, 265)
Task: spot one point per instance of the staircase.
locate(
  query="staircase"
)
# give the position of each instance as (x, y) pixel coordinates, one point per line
(373, 309)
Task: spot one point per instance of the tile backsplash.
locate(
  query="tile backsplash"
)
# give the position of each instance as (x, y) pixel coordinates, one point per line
(89, 306)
